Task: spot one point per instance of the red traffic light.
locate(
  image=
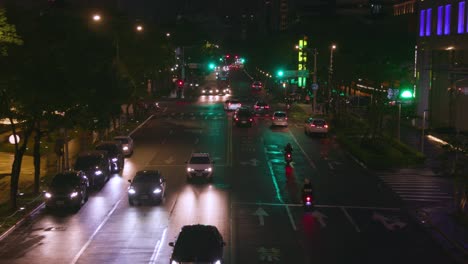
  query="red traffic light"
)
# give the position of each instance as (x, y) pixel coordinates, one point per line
(227, 56)
(180, 83)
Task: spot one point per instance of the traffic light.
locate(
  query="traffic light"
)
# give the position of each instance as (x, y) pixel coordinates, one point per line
(280, 73)
(406, 94)
(180, 83)
(211, 66)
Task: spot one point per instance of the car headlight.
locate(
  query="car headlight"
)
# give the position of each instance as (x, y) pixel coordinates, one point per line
(114, 159)
(190, 169)
(218, 262)
(98, 172)
(196, 85)
(125, 148)
(73, 194)
(174, 262)
(217, 91)
(157, 190)
(131, 191)
(48, 195)
(209, 169)
(203, 91)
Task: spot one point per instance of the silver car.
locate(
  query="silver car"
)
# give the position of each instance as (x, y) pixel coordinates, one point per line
(127, 144)
(279, 118)
(316, 126)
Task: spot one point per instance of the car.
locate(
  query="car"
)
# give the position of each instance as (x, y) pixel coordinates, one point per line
(67, 190)
(226, 90)
(243, 117)
(198, 244)
(96, 165)
(232, 104)
(257, 86)
(127, 144)
(116, 156)
(279, 118)
(315, 126)
(261, 108)
(147, 185)
(200, 165)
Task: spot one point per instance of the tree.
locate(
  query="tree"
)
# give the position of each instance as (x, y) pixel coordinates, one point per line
(8, 34)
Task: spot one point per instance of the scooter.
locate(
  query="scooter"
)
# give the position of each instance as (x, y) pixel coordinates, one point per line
(308, 201)
(288, 158)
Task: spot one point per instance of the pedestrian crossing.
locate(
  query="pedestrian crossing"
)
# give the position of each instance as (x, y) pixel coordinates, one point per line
(414, 187)
(191, 115)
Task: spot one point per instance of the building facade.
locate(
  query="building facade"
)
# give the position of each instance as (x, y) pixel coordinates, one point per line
(441, 63)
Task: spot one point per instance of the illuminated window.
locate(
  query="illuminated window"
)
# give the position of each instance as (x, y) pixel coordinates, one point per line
(428, 21)
(447, 19)
(461, 17)
(440, 20)
(422, 15)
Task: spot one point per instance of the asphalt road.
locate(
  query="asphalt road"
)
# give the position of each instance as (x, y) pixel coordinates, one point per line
(253, 203)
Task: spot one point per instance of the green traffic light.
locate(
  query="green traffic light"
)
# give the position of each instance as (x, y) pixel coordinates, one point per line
(280, 73)
(211, 66)
(406, 94)
(242, 60)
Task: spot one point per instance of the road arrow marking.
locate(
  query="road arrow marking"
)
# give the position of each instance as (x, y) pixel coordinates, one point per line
(261, 214)
(320, 217)
(268, 254)
(253, 162)
(391, 225)
(169, 160)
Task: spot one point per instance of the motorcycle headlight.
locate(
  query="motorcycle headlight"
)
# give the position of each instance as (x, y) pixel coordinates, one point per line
(114, 159)
(73, 194)
(218, 262)
(131, 191)
(47, 195)
(125, 148)
(157, 190)
(209, 169)
(190, 169)
(98, 172)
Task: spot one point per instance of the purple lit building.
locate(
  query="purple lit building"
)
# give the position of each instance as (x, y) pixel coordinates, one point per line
(441, 63)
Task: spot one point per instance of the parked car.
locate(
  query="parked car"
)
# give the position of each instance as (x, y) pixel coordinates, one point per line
(116, 156)
(279, 118)
(147, 185)
(243, 117)
(127, 144)
(316, 126)
(67, 190)
(232, 104)
(96, 165)
(200, 165)
(198, 244)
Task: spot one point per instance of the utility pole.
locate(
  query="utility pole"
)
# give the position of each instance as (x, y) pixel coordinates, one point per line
(314, 83)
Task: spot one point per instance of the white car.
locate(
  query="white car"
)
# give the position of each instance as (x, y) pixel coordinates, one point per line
(127, 144)
(279, 118)
(316, 126)
(200, 165)
(232, 105)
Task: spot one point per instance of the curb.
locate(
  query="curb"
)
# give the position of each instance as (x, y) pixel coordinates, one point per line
(17, 224)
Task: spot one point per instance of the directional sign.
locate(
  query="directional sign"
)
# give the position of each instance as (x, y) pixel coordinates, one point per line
(268, 254)
(261, 214)
(315, 86)
(320, 217)
(390, 224)
(169, 160)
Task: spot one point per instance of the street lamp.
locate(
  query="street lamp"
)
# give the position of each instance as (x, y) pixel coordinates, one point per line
(330, 71)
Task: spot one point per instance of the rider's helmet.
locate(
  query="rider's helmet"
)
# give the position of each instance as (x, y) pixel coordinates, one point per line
(306, 181)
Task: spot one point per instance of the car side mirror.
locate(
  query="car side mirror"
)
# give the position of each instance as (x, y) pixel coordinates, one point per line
(171, 244)
(130, 181)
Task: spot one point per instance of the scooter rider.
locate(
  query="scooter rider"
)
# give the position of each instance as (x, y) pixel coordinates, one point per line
(307, 189)
(288, 148)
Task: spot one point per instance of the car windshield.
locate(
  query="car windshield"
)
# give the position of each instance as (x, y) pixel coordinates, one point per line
(280, 114)
(244, 113)
(146, 178)
(86, 161)
(199, 160)
(64, 180)
(123, 140)
(319, 122)
(234, 102)
(194, 244)
(262, 104)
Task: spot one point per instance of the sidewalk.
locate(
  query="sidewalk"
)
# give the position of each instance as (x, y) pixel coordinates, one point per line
(438, 218)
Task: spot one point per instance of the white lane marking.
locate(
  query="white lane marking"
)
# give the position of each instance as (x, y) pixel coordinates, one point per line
(351, 220)
(357, 161)
(157, 248)
(291, 218)
(142, 124)
(312, 164)
(78, 255)
(275, 183)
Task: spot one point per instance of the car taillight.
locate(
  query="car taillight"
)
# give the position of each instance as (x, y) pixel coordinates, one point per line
(272, 118)
(229, 104)
(312, 125)
(256, 106)
(266, 106)
(286, 118)
(325, 126)
(250, 119)
(237, 119)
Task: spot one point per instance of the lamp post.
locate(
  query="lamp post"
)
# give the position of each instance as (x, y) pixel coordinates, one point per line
(330, 71)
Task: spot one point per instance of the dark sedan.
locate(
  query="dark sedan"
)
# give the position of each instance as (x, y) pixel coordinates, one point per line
(148, 185)
(115, 153)
(67, 190)
(198, 244)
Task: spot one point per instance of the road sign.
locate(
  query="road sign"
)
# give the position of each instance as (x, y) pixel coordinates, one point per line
(294, 74)
(315, 86)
